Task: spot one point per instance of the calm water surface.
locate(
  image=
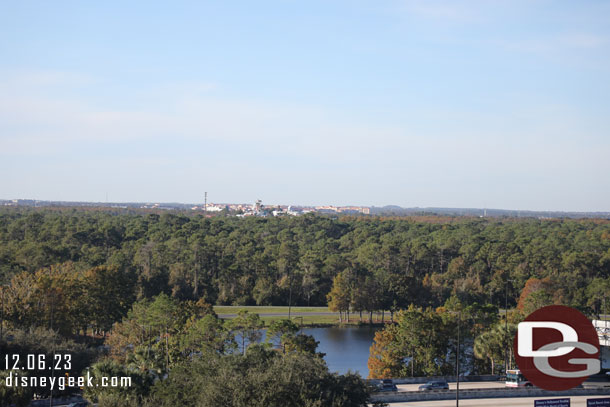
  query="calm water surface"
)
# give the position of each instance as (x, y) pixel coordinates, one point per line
(346, 348)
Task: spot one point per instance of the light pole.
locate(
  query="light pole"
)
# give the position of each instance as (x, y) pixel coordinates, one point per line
(605, 316)
(506, 325)
(52, 296)
(457, 358)
(289, 295)
(2, 312)
(457, 363)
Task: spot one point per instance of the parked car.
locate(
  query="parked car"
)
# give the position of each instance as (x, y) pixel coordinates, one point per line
(435, 385)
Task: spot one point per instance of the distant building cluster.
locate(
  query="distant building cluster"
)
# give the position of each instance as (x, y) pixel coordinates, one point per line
(18, 202)
(344, 209)
(258, 209)
(603, 331)
(157, 206)
(241, 210)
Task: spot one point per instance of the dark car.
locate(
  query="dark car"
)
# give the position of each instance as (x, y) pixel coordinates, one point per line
(434, 385)
(387, 385)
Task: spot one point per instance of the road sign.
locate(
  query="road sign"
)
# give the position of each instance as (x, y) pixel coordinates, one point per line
(598, 402)
(552, 403)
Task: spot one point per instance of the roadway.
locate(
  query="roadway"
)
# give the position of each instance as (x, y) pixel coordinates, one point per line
(575, 401)
(285, 314)
(453, 385)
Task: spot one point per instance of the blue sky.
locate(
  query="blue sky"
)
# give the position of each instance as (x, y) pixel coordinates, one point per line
(497, 104)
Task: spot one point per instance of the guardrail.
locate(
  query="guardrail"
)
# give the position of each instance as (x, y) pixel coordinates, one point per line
(416, 380)
(394, 397)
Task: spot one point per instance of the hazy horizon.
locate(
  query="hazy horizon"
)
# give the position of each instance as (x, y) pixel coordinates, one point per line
(296, 204)
(447, 104)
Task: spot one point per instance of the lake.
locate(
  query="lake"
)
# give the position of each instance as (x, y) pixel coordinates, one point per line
(346, 348)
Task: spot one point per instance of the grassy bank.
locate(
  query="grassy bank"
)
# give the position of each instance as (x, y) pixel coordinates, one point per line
(307, 316)
(233, 309)
(323, 320)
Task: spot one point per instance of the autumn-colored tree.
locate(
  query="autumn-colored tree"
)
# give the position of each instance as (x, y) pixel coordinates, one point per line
(339, 297)
(53, 297)
(197, 309)
(19, 300)
(385, 360)
(124, 337)
(536, 294)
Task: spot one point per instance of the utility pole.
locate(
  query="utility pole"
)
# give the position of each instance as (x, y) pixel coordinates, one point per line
(53, 360)
(457, 363)
(506, 361)
(605, 315)
(289, 294)
(2, 312)
(505, 327)
(205, 204)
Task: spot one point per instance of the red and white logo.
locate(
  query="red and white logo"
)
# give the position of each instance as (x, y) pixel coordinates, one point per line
(557, 348)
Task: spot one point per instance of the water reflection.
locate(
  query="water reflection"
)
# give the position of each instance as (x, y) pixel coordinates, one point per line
(346, 348)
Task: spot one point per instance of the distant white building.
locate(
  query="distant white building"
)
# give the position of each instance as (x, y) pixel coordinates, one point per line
(603, 331)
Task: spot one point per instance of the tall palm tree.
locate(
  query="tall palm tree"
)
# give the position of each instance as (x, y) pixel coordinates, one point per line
(491, 344)
(486, 345)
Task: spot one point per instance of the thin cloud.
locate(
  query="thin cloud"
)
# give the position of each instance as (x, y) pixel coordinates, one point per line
(558, 43)
(39, 124)
(584, 40)
(455, 11)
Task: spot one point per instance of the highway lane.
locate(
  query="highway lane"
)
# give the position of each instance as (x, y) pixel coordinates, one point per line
(285, 314)
(453, 385)
(576, 401)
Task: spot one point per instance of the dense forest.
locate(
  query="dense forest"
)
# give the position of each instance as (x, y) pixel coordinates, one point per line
(266, 261)
(142, 285)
